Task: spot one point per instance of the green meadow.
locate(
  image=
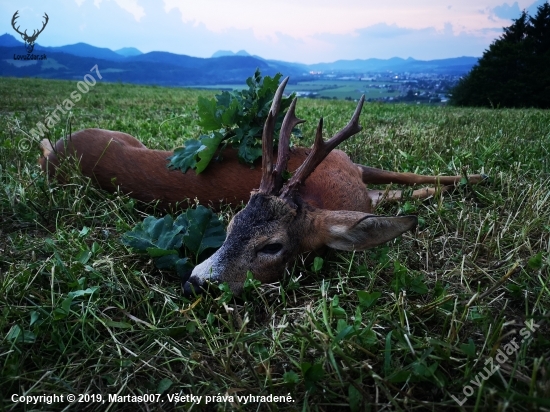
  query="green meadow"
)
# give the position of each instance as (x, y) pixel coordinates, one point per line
(455, 313)
(329, 89)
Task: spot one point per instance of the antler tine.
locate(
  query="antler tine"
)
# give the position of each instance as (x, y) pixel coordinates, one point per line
(276, 104)
(289, 122)
(321, 149)
(267, 182)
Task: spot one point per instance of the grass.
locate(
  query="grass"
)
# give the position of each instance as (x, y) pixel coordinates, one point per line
(333, 89)
(342, 89)
(407, 326)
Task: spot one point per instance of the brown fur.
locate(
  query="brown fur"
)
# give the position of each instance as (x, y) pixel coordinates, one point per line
(117, 160)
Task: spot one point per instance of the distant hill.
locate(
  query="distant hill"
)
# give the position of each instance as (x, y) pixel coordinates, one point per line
(163, 68)
(457, 65)
(84, 50)
(78, 49)
(128, 51)
(222, 53)
(160, 68)
(223, 69)
(7, 40)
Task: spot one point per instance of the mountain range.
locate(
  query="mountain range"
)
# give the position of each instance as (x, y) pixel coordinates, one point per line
(129, 65)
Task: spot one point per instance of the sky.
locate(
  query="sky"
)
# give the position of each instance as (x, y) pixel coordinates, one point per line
(302, 31)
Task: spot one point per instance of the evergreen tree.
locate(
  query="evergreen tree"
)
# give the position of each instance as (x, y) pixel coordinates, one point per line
(539, 29)
(539, 33)
(515, 70)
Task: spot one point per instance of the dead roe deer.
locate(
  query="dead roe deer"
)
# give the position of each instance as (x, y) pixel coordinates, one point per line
(324, 203)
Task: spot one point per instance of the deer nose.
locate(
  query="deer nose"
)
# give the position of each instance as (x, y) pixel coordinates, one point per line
(192, 287)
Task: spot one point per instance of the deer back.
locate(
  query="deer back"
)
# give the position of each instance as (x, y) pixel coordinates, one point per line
(118, 161)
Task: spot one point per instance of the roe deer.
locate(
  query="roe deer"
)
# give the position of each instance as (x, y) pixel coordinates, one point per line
(325, 202)
(282, 219)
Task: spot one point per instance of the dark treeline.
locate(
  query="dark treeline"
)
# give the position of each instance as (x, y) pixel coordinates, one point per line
(515, 70)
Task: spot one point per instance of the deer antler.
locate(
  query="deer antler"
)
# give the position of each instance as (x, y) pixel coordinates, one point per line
(289, 122)
(267, 183)
(321, 149)
(272, 179)
(13, 19)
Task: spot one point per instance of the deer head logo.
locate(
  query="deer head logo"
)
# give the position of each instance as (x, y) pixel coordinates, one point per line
(29, 40)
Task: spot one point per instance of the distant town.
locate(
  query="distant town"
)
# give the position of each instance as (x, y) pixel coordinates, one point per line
(390, 87)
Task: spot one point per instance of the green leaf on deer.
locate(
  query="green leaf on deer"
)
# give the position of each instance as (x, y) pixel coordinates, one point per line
(186, 157)
(269, 85)
(210, 146)
(238, 116)
(249, 149)
(210, 116)
(229, 116)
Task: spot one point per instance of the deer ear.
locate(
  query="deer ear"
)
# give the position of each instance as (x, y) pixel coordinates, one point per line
(358, 231)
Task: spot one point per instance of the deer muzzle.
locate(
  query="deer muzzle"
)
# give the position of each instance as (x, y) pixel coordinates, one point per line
(206, 271)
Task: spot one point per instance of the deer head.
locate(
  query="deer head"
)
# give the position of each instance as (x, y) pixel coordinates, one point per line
(29, 40)
(277, 224)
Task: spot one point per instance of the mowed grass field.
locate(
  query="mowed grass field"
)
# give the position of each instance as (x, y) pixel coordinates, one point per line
(333, 89)
(454, 313)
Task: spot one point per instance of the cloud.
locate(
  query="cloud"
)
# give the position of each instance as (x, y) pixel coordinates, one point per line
(131, 6)
(149, 26)
(513, 12)
(506, 11)
(385, 31)
(305, 18)
(386, 41)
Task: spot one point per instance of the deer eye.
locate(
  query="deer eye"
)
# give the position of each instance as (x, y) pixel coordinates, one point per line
(271, 248)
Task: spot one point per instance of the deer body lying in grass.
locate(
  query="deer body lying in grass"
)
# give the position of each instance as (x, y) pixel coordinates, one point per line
(324, 203)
